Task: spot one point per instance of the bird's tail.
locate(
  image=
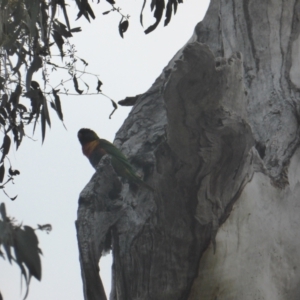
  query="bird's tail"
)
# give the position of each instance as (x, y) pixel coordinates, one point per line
(144, 184)
(138, 181)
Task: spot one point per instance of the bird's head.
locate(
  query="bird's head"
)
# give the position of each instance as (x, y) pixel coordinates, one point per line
(86, 135)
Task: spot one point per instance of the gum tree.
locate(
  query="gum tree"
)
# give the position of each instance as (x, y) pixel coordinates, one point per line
(217, 137)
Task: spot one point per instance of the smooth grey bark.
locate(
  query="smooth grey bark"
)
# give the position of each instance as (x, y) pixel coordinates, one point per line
(225, 108)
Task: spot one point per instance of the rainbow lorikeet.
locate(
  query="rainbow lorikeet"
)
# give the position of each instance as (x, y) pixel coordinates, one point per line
(95, 148)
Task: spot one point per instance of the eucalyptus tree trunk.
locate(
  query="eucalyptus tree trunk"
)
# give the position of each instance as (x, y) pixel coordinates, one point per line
(217, 138)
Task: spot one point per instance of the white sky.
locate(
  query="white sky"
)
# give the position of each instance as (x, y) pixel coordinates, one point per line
(53, 175)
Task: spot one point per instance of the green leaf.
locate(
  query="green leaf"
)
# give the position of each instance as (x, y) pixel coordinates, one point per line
(21, 132)
(115, 107)
(33, 12)
(46, 112)
(3, 211)
(76, 29)
(2, 80)
(18, 133)
(3, 113)
(141, 14)
(57, 104)
(84, 62)
(169, 12)
(6, 233)
(63, 7)
(59, 41)
(123, 26)
(13, 172)
(2, 172)
(27, 251)
(99, 83)
(44, 18)
(37, 115)
(45, 227)
(4, 100)
(43, 125)
(7, 249)
(76, 85)
(61, 29)
(14, 97)
(2, 121)
(5, 147)
(85, 9)
(159, 6)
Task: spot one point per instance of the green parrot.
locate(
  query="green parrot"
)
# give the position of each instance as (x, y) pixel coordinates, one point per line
(95, 148)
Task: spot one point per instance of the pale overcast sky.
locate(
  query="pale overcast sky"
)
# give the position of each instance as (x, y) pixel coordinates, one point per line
(53, 175)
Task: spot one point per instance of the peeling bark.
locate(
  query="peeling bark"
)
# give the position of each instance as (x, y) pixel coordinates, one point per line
(225, 108)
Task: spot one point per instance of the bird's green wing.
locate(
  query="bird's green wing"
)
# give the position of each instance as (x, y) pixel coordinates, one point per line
(121, 165)
(115, 153)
